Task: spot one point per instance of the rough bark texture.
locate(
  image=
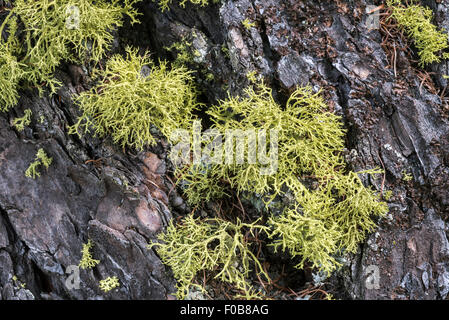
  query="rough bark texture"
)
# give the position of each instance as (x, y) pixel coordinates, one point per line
(121, 200)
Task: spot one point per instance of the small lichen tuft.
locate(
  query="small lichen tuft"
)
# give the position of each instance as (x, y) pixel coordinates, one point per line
(416, 21)
(22, 122)
(164, 4)
(87, 261)
(41, 159)
(130, 106)
(109, 283)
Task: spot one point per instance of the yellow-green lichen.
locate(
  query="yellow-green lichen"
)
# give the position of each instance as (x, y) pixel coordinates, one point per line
(416, 21)
(215, 245)
(248, 24)
(332, 210)
(22, 122)
(129, 105)
(327, 221)
(406, 176)
(53, 31)
(164, 4)
(109, 283)
(11, 69)
(40, 159)
(183, 50)
(252, 76)
(87, 261)
(201, 184)
(387, 195)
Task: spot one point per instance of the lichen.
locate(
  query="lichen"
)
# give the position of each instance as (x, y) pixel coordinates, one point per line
(128, 105)
(164, 4)
(332, 210)
(309, 139)
(248, 24)
(327, 221)
(87, 261)
(200, 184)
(22, 122)
(214, 245)
(109, 283)
(11, 70)
(406, 176)
(183, 50)
(416, 21)
(252, 76)
(48, 40)
(40, 159)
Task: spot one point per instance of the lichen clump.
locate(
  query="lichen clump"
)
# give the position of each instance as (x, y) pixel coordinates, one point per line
(109, 283)
(130, 105)
(87, 261)
(327, 221)
(52, 32)
(416, 21)
(213, 245)
(22, 122)
(11, 70)
(332, 211)
(248, 24)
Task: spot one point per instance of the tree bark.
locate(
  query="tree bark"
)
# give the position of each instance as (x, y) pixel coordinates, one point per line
(94, 190)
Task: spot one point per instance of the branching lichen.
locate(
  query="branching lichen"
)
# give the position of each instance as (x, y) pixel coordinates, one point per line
(326, 221)
(109, 283)
(164, 4)
(416, 21)
(309, 139)
(248, 24)
(53, 31)
(332, 209)
(86, 260)
(41, 159)
(201, 184)
(22, 122)
(183, 50)
(211, 245)
(129, 105)
(11, 70)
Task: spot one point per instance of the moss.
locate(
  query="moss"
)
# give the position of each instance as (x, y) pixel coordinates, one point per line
(213, 245)
(41, 159)
(416, 21)
(22, 122)
(47, 40)
(128, 105)
(87, 261)
(109, 283)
